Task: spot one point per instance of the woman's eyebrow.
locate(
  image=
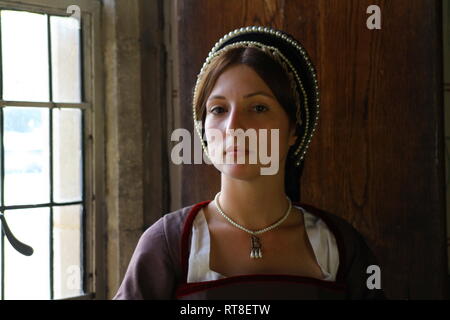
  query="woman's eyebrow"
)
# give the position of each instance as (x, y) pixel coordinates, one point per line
(262, 93)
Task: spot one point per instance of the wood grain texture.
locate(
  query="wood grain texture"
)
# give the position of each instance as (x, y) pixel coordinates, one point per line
(154, 111)
(377, 157)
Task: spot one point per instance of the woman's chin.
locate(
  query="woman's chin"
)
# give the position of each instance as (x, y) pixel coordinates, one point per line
(240, 171)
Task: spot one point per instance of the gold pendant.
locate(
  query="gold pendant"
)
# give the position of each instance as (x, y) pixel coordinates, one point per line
(255, 252)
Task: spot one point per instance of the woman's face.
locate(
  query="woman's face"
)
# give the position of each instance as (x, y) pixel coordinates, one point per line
(240, 99)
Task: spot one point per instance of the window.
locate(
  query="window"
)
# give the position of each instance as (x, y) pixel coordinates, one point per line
(49, 122)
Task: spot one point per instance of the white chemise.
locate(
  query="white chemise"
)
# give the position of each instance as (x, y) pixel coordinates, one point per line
(320, 237)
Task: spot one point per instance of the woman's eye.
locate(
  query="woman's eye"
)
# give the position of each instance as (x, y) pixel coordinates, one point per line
(260, 108)
(216, 110)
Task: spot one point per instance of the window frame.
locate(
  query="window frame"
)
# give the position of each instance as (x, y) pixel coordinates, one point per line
(93, 142)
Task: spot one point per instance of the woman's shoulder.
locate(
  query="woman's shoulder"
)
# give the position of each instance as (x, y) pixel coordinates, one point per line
(351, 243)
(338, 225)
(356, 255)
(155, 265)
(168, 227)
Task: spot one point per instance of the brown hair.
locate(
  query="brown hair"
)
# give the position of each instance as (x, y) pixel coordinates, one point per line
(273, 74)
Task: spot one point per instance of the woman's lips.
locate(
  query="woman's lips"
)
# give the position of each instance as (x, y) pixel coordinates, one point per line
(236, 150)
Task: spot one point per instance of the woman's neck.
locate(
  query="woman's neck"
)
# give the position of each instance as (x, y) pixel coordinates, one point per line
(254, 204)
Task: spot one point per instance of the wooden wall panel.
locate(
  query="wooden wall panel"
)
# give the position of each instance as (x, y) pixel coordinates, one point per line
(154, 111)
(377, 157)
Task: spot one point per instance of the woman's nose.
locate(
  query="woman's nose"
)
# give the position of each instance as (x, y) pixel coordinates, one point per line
(235, 120)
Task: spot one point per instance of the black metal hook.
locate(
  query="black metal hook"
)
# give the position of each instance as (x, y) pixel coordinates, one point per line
(19, 246)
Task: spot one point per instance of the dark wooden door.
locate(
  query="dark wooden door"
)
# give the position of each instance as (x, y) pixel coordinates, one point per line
(377, 157)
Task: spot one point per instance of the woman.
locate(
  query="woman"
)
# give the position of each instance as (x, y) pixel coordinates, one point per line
(251, 241)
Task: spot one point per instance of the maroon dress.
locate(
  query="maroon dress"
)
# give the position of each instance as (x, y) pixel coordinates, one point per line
(159, 266)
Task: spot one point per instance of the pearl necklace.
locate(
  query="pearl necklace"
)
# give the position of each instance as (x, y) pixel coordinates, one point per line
(256, 248)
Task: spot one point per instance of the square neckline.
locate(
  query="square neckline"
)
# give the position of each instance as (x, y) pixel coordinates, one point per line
(214, 275)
